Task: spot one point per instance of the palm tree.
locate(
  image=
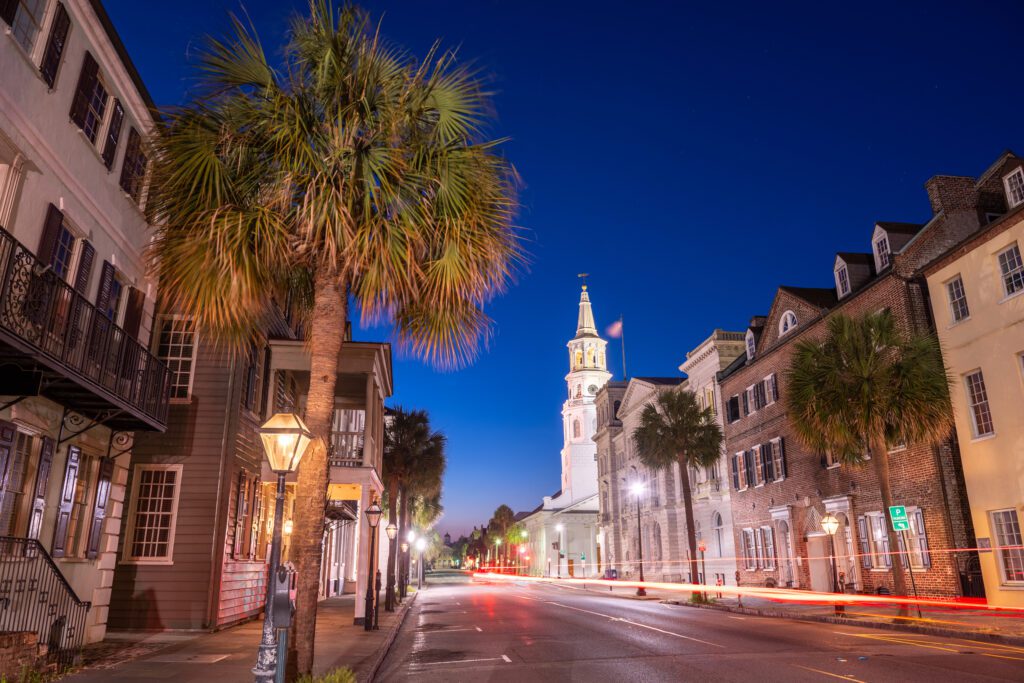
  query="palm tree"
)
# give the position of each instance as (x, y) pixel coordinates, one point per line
(674, 428)
(404, 438)
(347, 172)
(867, 387)
(500, 523)
(425, 478)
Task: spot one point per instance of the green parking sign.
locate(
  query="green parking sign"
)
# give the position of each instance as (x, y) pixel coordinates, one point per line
(898, 515)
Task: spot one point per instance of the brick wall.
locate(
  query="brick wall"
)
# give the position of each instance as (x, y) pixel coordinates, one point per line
(19, 653)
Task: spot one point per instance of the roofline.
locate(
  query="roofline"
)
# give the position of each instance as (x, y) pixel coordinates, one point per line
(126, 60)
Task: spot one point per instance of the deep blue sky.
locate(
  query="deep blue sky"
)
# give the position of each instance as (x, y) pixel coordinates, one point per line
(690, 158)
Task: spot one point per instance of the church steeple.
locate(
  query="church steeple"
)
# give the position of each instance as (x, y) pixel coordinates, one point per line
(585, 326)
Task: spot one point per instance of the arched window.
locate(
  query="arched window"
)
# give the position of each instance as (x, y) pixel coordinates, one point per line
(579, 357)
(751, 345)
(576, 429)
(787, 322)
(590, 356)
(716, 528)
(615, 409)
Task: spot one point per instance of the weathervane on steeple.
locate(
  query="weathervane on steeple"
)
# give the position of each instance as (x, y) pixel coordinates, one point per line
(584, 277)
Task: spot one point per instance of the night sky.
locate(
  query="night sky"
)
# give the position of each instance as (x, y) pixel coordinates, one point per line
(690, 159)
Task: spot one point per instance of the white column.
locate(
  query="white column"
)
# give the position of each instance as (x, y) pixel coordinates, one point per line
(362, 545)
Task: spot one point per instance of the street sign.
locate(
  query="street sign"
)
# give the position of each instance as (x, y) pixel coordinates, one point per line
(583, 557)
(898, 515)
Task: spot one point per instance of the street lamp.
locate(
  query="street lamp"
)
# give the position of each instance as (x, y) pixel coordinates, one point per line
(637, 489)
(702, 546)
(389, 594)
(373, 513)
(497, 553)
(285, 440)
(831, 525)
(560, 528)
(421, 545)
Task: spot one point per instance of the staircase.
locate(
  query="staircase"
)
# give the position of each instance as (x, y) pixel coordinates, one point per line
(35, 597)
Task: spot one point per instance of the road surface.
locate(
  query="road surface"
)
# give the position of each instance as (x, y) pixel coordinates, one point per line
(469, 630)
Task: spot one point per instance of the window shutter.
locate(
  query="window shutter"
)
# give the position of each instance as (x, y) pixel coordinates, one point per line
(35, 520)
(257, 517)
(922, 540)
(266, 376)
(51, 229)
(769, 464)
(99, 508)
(7, 10)
(55, 45)
(84, 267)
(903, 549)
(746, 403)
(865, 546)
(783, 470)
(8, 434)
(775, 387)
(748, 461)
(86, 84)
(133, 312)
(106, 285)
(735, 473)
(113, 134)
(239, 514)
(67, 499)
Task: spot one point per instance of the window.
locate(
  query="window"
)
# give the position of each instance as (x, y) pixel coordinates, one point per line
(133, 169)
(877, 542)
(749, 550)
(576, 429)
(1012, 269)
(716, 530)
(177, 349)
(739, 471)
(55, 45)
(14, 510)
(63, 252)
(957, 299)
(918, 539)
(28, 18)
(787, 322)
(1015, 187)
(758, 466)
(771, 387)
(90, 102)
(977, 403)
(882, 249)
(81, 507)
(112, 305)
(768, 544)
(843, 281)
(709, 399)
(95, 109)
(154, 509)
(778, 456)
(751, 345)
(732, 409)
(1006, 528)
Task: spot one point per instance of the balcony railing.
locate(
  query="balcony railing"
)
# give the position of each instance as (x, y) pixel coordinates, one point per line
(35, 597)
(45, 317)
(346, 449)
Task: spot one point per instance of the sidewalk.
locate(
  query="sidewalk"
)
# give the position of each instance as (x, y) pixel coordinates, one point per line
(228, 656)
(968, 622)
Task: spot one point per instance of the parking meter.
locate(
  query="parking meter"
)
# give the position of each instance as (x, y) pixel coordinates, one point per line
(282, 597)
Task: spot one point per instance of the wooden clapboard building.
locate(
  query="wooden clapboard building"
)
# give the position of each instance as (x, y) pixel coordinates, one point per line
(77, 378)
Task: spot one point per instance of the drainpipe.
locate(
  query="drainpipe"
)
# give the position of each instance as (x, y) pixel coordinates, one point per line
(217, 548)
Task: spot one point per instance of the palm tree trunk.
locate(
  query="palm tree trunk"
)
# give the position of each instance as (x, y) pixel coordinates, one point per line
(389, 594)
(880, 457)
(691, 535)
(326, 330)
(403, 531)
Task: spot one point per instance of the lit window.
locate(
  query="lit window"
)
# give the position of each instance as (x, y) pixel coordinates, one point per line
(63, 252)
(1006, 528)
(14, 506)
(977, 401)
(1012, 269)
(843, 279)
(177, 349)
(787, 323)
(1015, 187)
(751, 345)
(882, 249)
(957, 299)
(154, 509)
(95, 108)
(28, 18)
(81, 507)
(749, 550)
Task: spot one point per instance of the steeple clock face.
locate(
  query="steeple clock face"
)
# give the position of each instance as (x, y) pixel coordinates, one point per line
(592, 389)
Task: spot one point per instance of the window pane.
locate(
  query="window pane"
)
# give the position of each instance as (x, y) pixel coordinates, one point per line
(977, 400)
(154, 513)
(28, 17)
(957, 299)
(1006, 526)
(176, 348)
(1012, 269)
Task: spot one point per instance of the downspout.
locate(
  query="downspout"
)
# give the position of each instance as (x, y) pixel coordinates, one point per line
(215, 547)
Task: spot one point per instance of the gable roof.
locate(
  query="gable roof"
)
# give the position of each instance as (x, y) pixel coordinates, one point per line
(898, 228)
(662, 381)
(856, 258)
(820, 297)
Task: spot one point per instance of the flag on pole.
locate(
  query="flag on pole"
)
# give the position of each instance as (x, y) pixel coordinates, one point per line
(614, 330)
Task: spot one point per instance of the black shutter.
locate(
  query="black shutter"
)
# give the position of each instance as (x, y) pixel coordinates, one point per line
(99, 508)
(735, 472)
(746, 403)
(106, 286)
(265, 376)
(782, 458)
(240, 500)
(67, 500)
(83, 91)
(35, 520)
(51, 230)
(8, 434)
(769, 465)
(113, 134)
(84, 268)
(55, 45)
(8, 8)
(775, 387)
(133, 167)
(748, 462)
(133, 312)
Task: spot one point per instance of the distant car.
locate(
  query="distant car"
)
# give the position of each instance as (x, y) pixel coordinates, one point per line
(611, 574)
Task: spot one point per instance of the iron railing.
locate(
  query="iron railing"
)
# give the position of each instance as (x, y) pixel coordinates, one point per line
(48, 315)
(35, 597)
(346, 449)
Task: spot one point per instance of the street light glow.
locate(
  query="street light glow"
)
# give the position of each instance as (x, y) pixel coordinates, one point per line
(830, 524)
(411, 536)
(559, 527)
(421, 544)
(637, 488)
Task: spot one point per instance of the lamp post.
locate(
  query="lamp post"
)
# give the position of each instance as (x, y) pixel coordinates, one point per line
(421, 545)
(410, 538)
(373, 513)
(702, 546)
(497, 553)
(285, 440)
(831, 525)
(560, 528)
(637, 490)
(389, 594)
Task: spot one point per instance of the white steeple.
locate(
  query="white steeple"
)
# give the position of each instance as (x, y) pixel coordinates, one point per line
(588, 372)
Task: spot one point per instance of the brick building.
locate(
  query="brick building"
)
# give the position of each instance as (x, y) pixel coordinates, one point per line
(781, 490)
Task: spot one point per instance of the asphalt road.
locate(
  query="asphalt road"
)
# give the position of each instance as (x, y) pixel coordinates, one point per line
(467, 630)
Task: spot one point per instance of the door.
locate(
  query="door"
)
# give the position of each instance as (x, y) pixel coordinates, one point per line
(818, 563)
(785, 555)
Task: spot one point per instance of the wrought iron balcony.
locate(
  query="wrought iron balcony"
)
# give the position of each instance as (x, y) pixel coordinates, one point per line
(68, 351)
(346, 449)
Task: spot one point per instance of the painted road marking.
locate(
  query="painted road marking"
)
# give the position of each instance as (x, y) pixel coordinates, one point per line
(503, 658)
(507, 660)
(826, 673)
(740, 618)
(634, 623)
(478, 629)
(938, 645)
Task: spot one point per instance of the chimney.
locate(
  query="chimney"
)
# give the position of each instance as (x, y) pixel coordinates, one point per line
(948, 193)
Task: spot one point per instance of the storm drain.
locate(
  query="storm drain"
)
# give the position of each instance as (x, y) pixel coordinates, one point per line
(430, 656)
(186, 658)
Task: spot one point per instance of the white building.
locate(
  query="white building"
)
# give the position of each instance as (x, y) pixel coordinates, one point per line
(76, 308)
(562, 531)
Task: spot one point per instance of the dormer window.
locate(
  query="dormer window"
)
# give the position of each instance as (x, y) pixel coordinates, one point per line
(787, 322)
(751, 345)
(842, 281)
(1015, 187)
(882, 252)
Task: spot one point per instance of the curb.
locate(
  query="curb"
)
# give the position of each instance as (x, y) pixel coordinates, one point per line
(382, 652)
(1002, 638)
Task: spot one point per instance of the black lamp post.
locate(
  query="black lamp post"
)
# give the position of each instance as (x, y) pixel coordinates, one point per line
(285, 440)
(389, 594)
(373, 513)
(831, 525)
(638, 490)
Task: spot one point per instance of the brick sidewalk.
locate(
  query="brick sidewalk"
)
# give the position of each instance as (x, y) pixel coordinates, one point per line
(228, 656)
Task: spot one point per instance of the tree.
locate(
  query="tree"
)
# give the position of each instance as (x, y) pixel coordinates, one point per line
(867, 387)
(349, 172)
(674, 428)
(404, 438)
(500, 523)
